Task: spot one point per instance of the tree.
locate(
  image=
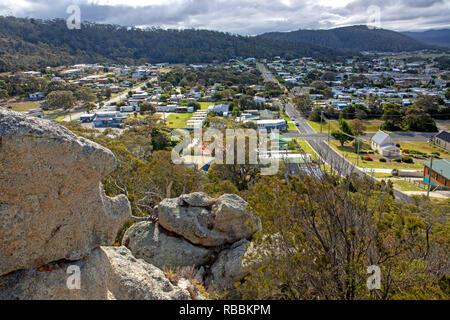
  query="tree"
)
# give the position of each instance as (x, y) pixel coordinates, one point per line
(304, 104)
(358, 127)
(416, 119)
(315, 115)
(146, 107)
(84, 94)
(429, 104)
(344, 134)
(61, 99)
(393, 117)
(319, 237)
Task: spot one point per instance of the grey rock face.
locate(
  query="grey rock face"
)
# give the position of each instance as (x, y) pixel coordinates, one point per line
(196, 199)
(108, 273)
(228, 268)
(52, 204)
(227, 222)
(148, 241)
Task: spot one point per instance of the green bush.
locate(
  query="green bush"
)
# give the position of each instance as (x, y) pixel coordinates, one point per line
(383, 160)
(398, 160)
(407, 160)
(436, 153)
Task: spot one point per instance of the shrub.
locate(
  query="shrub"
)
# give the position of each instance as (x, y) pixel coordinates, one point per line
(398, 145)
(383, 160)
(436, 153)
(398, 160)
(405, 150)
(368, 158)
(407, 160)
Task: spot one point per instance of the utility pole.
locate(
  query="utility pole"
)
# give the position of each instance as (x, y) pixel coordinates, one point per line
(357, 155)
(321, 120)
(429, 176)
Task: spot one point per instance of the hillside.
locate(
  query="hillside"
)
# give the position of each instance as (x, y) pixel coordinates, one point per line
(31, 43)
(355, 38)
(432, 37)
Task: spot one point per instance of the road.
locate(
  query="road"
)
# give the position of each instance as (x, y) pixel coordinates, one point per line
(328, 154)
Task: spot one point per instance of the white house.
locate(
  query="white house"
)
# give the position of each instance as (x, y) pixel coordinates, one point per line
(383, 143)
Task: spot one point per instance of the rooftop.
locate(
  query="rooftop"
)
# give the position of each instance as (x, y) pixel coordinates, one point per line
(440, 166)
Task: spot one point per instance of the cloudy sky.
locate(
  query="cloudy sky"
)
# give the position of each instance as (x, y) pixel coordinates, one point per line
(244, 16)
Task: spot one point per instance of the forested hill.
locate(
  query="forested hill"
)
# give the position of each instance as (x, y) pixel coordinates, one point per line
(354, 38)
(433, 37)
(31, 43)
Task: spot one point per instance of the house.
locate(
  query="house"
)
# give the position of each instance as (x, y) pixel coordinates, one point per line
(109, 119)
(219, 109)
(442, 139)
(37, 96)
(383, 143)
(270, 125)
(440, 173)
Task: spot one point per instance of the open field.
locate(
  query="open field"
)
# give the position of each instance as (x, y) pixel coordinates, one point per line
(424, 147)
(205, 105)
(178, 120)
(23, 106)
(371, 125)
(349, 153)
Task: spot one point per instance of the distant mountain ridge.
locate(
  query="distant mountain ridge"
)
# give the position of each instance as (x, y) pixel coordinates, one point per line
(33, 43)
(354, 38)
(434, 37)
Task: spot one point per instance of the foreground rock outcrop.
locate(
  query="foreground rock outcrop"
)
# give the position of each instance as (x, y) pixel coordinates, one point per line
(52, 204)
(199, 231)
(107, 273)
(150, 242)
(56, 223)
(212, 223)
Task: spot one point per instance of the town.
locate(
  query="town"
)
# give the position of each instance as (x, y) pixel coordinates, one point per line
(387, 114)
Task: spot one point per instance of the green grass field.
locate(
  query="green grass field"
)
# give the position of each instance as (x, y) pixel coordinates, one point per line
(291, 126)
(286, 117)
(371, 125)
(178, 120)
(205, 105)
(349, 153)
(403, 185)
(307, 148)
(424, 147)
(23, 106)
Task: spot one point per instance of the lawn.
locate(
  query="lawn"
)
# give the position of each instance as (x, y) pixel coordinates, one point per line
(205, 105)
(404, 185)
(349, 153)
(286, 117)
(178, 120)
(304, 145)
(371, 125)
(23, 106)
(291, 126)
(424, 147)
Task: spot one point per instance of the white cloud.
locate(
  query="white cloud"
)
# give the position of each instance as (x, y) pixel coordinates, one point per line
(242, 16)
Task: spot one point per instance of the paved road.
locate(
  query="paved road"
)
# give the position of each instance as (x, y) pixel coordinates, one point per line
(330, 156)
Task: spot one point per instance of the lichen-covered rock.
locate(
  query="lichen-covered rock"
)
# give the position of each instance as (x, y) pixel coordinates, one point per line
(150, 242)
(107, 273)
(228, 269)
(52, 204)
(196, 199)
(228, 221)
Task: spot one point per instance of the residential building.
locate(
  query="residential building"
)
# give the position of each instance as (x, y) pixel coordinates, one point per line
(440, 173)
(383, 143)
(442, 139)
